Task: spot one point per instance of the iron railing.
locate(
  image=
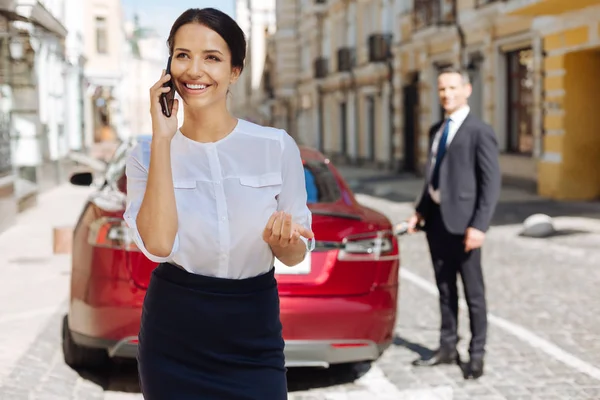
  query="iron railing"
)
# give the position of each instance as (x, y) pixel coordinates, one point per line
(428, 13)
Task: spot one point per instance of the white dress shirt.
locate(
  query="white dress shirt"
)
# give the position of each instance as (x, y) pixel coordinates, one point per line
(225, 193)
(456, 120)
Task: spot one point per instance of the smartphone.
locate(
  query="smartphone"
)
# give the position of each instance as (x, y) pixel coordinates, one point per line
(166, 99)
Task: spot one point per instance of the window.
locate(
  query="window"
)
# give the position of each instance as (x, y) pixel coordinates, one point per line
(351, 32)
(101, 35)
(387, 16)
(370, 18)
(326, 42)
(305, 57)
(321, 185)
(520, 101)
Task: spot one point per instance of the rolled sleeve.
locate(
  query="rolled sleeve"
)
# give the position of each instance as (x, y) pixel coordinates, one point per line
(137, 177)
(293, 197)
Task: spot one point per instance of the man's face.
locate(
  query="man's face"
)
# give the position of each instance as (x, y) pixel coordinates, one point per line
(453, 91)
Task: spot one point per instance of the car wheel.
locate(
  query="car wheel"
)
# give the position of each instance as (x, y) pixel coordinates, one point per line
(78, 356)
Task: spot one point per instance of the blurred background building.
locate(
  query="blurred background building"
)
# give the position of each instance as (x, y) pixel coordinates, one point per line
(61, 85)
(147, 57)
(247, 98)
(357, 79)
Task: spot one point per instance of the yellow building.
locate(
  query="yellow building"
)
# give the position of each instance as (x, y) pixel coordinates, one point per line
(570, 36)
(357, 80)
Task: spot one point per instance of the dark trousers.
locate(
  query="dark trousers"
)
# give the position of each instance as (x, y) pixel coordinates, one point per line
(449, 259)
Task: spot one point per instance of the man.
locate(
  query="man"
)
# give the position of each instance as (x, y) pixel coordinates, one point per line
(457, 203)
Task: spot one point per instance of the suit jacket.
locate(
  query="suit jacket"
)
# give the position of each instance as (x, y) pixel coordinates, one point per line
(470, 178)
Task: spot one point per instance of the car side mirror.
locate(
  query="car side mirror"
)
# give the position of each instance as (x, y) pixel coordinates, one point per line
(82, 179)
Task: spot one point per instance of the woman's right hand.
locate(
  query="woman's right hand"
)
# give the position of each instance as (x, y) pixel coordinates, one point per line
(162, 126)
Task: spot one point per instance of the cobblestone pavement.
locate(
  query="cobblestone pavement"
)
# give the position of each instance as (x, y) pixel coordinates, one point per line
(542, 294)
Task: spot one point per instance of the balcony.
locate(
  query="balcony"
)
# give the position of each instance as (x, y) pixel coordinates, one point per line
(427, 13)
(321, 67)
(319, 6)
(346, 59)
(380, 47)
(534, 8)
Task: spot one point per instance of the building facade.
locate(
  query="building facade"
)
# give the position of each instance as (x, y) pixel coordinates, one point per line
(33, 140)
(105, 51)
(49, 81)
(247, 98)
(357, 80)
(146, 56)
(8, 203)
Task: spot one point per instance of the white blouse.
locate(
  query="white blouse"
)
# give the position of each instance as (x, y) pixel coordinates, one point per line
(225, 193)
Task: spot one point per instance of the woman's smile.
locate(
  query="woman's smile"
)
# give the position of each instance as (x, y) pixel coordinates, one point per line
(196, 88)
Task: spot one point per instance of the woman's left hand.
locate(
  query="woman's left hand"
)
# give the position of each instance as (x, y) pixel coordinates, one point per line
(282, 232)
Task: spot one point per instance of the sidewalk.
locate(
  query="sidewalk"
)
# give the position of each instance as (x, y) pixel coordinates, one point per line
(514, 206)
(34, 283)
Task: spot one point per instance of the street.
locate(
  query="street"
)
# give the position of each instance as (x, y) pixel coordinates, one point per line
(543, 302)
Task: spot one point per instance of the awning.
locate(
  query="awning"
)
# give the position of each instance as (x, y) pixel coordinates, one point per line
(9, 8)
(534, 8)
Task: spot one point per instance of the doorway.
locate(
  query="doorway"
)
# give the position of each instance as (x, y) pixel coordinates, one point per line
(475, 75)
(370, 100)
(343, 130)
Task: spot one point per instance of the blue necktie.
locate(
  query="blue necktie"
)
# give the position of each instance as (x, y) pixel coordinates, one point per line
(441, 150)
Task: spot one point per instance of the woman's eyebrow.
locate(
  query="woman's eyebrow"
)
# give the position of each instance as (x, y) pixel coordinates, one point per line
(205, 51)
(212, 51)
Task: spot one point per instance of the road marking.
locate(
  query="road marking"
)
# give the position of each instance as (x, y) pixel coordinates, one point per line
(516, 330)
(376, 386)
(122, 396)
(26, 314)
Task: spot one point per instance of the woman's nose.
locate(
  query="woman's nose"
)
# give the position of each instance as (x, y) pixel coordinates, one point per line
(196, 68)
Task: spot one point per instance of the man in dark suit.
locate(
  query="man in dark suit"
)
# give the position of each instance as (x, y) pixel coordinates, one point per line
(456, 206)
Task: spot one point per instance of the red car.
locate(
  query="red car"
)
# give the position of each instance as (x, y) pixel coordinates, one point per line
(338, 306)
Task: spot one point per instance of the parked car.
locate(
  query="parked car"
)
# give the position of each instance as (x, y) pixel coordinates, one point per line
(337, 306)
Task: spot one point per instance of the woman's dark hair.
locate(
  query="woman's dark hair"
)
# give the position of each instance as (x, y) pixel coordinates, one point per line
(219, 22)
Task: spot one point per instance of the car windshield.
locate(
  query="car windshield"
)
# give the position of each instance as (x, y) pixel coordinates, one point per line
(321, 185)
(116, 166)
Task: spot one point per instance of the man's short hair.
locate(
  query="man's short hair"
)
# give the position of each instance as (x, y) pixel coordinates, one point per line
(456, 70)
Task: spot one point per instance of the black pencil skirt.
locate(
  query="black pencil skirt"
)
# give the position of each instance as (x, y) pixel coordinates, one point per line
(206, 338)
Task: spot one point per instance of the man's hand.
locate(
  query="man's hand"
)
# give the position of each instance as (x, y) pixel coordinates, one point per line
(413, 222)
(473, 239)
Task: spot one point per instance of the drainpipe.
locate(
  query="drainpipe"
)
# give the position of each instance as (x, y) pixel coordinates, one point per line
(390, 65)
(319, 88)
(321, 122)
(462, 38)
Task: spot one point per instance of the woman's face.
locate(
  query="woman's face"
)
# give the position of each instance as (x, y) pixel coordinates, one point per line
(201, 66)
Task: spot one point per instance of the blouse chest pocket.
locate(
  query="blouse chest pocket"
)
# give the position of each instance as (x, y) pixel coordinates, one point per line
(184, 184)
(258, 181)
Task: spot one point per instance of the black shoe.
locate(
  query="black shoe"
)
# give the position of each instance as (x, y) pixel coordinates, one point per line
(475, 368)
(439, 357)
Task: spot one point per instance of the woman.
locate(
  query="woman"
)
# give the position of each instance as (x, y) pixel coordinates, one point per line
(213, 202)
